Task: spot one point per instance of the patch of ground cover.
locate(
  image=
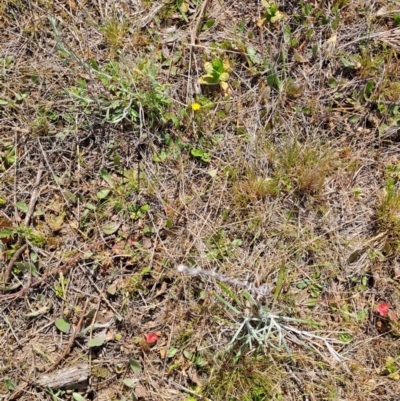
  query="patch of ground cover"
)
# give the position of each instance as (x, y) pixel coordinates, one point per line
(254, 143)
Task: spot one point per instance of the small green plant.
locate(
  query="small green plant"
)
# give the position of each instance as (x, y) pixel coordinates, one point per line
(201, 154)
(60, 286)
(221, 247)
(217, 73)
(7, 155)
(129, 89)
(137, 212)
(271, 12)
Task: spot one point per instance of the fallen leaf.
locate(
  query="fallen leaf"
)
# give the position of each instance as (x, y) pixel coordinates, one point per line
(392, 315)
(140, 391)
(383, 309)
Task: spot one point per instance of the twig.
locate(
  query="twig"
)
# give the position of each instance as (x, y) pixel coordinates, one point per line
(35, 195)
(17, 254)
(71, 340)
(119, 317)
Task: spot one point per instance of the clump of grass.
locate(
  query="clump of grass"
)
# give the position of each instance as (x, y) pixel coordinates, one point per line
(249, 378)
(300, 168)
(114, 32)
(388, 212)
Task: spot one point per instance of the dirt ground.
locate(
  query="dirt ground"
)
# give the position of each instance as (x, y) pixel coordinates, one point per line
(199, 200)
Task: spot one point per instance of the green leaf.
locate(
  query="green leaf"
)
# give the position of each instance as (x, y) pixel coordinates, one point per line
(273, 80)
(104, 174)
(160, 157)
(78, 397)
(102, 194)
(111, 228)
(9, 384)
(96, 342)
(361, 315)
(172, 351)
(209, 24)
(131, 383)
(135, 366)
(94, 64)
(62, 325)
(145, 208)
(3, 102)
(188, 355)
(7, 233)
(209, 80)
(218, 65)
(27, 266)
(22, 206)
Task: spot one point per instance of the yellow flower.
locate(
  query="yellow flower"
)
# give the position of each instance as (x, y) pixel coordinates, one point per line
(196, 106)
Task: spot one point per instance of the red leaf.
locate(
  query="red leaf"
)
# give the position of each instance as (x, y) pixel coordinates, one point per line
(151, 338)
(383, 309)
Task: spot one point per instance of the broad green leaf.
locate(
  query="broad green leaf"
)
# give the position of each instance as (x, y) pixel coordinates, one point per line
(145, 208)
(111, 228)
(78, 397)
(135, 366)
(224, 77)
(96, 342)
(208, 80)
(22, 206)
(62, 325)
(102, 194)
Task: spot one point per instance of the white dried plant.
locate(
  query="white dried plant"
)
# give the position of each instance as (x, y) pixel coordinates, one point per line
(265, 325)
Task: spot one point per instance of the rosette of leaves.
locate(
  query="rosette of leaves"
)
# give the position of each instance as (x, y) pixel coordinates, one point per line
(217, 73)
(271, 13)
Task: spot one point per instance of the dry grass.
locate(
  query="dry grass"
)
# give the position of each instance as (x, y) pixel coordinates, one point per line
(284, 174)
